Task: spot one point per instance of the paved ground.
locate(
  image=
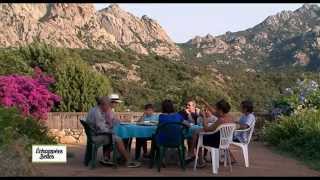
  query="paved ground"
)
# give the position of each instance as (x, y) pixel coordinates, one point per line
(263, 162)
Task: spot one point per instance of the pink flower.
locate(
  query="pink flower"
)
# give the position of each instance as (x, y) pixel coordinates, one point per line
(29, 94)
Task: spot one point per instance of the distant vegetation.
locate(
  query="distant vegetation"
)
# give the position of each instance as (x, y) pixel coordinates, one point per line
(78, 83)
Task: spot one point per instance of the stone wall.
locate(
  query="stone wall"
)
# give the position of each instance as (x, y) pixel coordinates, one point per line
(69, 136)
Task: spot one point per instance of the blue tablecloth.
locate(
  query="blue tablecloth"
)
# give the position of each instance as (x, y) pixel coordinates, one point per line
(132, 130)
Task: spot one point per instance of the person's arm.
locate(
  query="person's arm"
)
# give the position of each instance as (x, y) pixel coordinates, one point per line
(208, 106)
(186, 123)
(208, 128)
(141, 119)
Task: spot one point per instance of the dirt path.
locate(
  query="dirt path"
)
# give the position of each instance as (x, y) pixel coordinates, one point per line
(262, 163)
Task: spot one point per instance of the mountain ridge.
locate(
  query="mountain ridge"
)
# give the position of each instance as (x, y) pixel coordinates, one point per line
(81, 26)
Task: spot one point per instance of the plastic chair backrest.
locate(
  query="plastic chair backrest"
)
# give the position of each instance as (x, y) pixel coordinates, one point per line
(171, 134)
(87, 130)
(251, 129)
(226, 134)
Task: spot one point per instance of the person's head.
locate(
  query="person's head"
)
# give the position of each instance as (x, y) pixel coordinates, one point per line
(113, 103)
(104, 103)
(114, 100)
(191, 105)
(222, 107)
(167, 106)
(148, 109)
(246, 106)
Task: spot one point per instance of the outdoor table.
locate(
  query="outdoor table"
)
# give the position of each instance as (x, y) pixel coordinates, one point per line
(129, 131)
(142, 131)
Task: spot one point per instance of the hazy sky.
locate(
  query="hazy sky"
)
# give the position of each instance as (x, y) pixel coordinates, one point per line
(184, 21)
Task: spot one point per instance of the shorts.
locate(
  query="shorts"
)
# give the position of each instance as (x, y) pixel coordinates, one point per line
(212, 140)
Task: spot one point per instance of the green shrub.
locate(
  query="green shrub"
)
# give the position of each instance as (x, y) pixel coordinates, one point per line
(17, 135)
(14, 126)
(43, 56)
(13, 63)
(78, 85)
(298, 135)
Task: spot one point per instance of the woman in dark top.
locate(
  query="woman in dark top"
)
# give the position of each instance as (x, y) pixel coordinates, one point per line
(168, 115)
(221, 110)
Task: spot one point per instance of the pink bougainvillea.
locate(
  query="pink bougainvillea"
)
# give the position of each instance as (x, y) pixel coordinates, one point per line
(29, 94)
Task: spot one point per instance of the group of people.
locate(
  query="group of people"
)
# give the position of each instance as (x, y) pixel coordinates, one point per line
(102, 119)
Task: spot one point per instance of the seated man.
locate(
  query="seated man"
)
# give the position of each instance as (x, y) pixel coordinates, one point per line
(191, 114)
(148, 115)
(96, 119)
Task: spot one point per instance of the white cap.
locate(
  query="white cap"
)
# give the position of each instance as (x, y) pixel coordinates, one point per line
(114, 97)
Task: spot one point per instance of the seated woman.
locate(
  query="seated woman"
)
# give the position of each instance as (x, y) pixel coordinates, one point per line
(168, 115)
(148, 115)
(246, 121)
(211, 117)
(211, 120)
(221, 109)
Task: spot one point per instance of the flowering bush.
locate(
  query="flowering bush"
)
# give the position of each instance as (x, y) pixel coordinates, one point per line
(304, 96)
(29, 94)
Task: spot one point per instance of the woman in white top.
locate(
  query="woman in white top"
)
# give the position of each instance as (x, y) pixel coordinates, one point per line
(245, 122)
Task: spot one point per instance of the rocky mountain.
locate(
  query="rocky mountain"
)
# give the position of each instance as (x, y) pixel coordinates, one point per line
(81, 26)
(289, 37)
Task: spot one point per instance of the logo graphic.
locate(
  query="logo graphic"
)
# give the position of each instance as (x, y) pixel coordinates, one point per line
(49, 153)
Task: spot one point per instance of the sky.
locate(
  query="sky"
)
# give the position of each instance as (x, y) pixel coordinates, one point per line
(184, 21)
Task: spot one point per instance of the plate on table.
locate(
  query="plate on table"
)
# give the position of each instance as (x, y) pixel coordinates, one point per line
(147, 123)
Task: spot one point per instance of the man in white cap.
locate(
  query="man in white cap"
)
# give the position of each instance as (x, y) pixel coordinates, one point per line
(96, 118)
(112, 121)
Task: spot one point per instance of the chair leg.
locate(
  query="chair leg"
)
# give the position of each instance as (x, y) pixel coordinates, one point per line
(221, 156)
(229, 159)
(160, 157)
(93, 161)
(214, 160)
(153, 154)
(245, 155)
(114, 155)
(217, 154)
(87, 156)
(181, 157)
(225, 154)
(197, 156)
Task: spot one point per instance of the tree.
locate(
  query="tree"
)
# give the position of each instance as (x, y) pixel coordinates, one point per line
(78, 85)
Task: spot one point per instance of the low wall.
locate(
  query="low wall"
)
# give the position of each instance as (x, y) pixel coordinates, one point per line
(67, 129)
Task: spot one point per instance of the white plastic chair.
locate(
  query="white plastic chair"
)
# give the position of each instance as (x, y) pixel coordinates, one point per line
(226, 134)
(244, 146)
